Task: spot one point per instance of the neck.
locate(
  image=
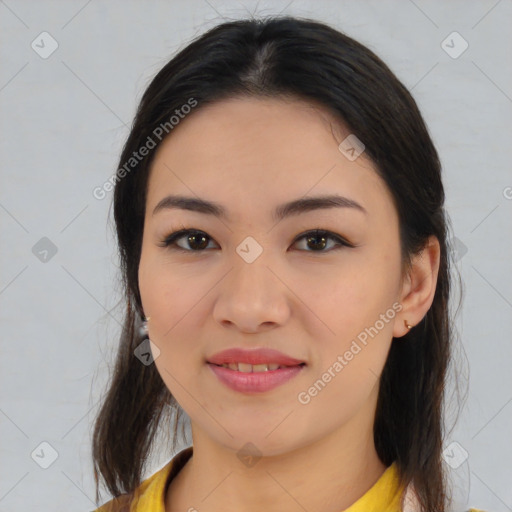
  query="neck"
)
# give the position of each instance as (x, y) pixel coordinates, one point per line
(329, 474)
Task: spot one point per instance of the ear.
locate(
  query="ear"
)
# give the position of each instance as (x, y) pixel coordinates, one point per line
(419, 287)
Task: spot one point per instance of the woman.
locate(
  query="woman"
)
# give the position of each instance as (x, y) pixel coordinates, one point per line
(283, 242)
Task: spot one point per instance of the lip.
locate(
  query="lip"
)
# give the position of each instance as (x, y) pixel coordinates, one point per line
(254, 382)
(253, 356)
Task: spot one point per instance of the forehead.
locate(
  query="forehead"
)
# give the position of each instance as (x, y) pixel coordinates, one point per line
(249, 152)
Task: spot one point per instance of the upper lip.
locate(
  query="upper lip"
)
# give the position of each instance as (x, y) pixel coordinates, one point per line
(253, 356)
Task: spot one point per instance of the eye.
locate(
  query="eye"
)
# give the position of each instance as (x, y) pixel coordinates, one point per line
(318, 238)
(193, 237)
(198, 240)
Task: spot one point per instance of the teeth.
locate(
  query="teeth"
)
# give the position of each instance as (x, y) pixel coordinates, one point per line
(249, 368)
(244, 367)
(260, 368)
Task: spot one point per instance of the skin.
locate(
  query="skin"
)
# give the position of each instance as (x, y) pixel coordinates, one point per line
(251, 155)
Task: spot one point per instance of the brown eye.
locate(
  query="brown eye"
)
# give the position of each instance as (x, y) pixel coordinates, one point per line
(195, 240)
(318, 240)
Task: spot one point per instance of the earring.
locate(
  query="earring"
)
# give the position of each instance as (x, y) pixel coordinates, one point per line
(143, 329)
(407, 325)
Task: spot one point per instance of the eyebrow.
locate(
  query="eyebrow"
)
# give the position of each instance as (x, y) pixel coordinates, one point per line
(295, 207)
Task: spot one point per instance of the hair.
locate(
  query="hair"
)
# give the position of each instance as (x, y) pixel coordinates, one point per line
(279, 57)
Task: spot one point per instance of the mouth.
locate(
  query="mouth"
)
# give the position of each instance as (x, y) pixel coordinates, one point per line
(254, 371)
(260, 359)
(255, 368)
(254, 379)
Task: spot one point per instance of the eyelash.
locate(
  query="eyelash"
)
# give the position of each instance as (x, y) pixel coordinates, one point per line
(169, 241)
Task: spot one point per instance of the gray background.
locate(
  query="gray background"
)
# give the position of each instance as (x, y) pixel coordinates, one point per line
(64, 120)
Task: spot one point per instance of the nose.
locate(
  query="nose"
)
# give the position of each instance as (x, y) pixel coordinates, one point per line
(252, 298)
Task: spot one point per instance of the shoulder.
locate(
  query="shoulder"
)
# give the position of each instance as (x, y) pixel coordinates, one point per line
(119, 504)
(411, 504)
(150, 491)
(150, 494)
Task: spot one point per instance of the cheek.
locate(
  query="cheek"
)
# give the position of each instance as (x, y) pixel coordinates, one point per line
(358, 307)
(172, 297)
(352, 298)
(165, 289)
(351, 361)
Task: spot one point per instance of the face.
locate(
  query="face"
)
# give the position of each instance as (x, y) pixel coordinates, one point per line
(253, 279)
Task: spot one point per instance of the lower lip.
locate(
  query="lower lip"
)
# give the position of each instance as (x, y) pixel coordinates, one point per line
(255, 382)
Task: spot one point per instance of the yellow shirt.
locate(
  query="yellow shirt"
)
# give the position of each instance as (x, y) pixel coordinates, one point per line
(384, 496)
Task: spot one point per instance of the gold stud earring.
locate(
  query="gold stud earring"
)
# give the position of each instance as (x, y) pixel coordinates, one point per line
(407, 325)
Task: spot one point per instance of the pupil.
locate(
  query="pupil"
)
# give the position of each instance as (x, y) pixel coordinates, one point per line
(316, 238)
(196, 235)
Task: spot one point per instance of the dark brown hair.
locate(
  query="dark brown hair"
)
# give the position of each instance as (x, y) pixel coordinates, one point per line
(300, 58)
